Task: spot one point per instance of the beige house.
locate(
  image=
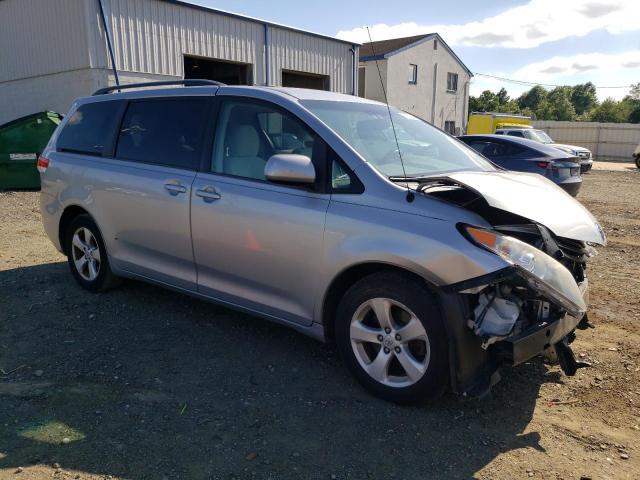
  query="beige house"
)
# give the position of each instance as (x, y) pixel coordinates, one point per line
(421, 75)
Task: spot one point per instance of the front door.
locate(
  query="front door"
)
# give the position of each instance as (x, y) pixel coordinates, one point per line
(257, 244)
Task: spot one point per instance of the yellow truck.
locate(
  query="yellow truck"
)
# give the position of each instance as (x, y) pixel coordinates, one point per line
(489, 122)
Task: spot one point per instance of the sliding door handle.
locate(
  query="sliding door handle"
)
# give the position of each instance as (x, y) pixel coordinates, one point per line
(208, 194)
(175, 189)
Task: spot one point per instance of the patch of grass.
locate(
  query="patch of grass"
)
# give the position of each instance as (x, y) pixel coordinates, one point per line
(50, 431)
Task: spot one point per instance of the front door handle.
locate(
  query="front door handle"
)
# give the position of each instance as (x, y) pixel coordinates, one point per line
(175, 189)
(208, 194)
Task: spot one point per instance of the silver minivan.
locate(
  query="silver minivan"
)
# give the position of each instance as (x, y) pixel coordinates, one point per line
(427, 265)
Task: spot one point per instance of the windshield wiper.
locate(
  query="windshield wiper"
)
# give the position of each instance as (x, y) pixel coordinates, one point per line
(409, 178)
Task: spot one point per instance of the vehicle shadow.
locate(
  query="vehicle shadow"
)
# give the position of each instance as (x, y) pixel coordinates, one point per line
(144, 383)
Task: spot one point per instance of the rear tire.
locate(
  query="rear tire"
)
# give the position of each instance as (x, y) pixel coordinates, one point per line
(638, 161)
(389, 332)
(87, 255)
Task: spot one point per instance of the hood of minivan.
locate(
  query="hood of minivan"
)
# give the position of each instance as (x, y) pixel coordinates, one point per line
(532, 196)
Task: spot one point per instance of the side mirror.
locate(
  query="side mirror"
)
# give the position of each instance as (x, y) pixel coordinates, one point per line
(290, 168)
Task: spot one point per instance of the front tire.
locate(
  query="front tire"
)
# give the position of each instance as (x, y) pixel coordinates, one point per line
(87, 255)
(638, 161)
(389, 331)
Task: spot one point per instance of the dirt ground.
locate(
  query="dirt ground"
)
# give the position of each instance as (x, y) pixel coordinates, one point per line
(142, 383)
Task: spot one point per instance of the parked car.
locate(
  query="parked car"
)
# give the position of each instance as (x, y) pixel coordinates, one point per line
(429, 267)
(522, 155)
(636, 156)
(583, 154)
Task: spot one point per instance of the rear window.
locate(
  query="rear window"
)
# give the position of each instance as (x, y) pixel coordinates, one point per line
(90, 129)
(164, 131)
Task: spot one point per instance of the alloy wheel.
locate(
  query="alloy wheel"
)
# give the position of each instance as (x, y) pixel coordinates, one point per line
(390, 342)
(85, 253)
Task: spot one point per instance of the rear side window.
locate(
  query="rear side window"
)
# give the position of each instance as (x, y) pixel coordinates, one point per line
(90, 129)
(495, 149)
(163, 131)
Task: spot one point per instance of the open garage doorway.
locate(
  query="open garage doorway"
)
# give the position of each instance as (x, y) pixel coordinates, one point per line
(292, 78)
(231, 73)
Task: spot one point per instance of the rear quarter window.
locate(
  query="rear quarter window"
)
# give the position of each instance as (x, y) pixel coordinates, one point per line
(91, 128)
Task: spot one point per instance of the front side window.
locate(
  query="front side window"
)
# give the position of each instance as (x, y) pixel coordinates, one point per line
(367, 128)
(90, 128)
(248, 134)
(452, 82)
(166, 132)
(413, 73)
(516, 133)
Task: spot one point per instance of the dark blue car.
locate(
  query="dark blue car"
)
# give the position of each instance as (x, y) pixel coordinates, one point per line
(523, 155)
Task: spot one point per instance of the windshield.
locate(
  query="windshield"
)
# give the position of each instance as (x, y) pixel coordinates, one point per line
(538, 135)
(425, 150)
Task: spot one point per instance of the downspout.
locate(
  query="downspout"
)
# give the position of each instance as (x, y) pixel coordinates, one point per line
(354, 73)
(465, 108)
(109, 45)
(433, 99)
(267, 56)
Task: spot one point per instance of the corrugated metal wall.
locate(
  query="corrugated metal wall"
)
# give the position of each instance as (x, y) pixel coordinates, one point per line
(290, 50)
(615, 141)
(40, 37)
(152, 36)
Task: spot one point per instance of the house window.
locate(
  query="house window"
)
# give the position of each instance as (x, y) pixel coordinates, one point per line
(435, 44)
(452, 82)
(450, 127)
(413, 73)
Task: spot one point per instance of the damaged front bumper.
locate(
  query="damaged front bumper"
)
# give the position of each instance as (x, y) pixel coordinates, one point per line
(476, 358)
(533, 341)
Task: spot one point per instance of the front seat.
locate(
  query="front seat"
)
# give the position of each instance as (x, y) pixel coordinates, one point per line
(243, 149)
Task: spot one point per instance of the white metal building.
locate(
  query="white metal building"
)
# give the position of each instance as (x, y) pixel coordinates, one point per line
(421, 75)
(53, 51)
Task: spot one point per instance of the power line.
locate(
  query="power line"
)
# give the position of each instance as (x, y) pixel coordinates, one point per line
(523, 82)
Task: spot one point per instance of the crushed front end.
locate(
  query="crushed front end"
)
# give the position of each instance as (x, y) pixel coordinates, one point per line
(529, 308)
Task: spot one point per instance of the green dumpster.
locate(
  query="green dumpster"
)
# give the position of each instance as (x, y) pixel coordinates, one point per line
(21, 141)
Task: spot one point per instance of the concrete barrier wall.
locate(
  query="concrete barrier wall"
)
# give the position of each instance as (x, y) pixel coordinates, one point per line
(607, 141)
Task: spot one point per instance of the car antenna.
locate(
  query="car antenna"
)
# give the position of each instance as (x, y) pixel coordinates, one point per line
(410, 195)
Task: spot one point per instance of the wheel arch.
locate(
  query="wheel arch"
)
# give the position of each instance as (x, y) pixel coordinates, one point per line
(70, 212)
(348, 277)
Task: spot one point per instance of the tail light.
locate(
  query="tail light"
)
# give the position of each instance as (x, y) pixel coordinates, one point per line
(43, 164)
(543, 164)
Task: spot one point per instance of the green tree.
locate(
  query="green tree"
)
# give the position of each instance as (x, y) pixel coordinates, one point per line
(533, 98)
(583, 98)
(610, 111)
(634, 93)
(503, 97)
(631, 107)
(559, 100)
(545, 111)
(486, 102)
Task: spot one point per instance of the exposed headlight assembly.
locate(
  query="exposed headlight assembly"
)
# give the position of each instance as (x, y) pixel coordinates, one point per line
(542, 272)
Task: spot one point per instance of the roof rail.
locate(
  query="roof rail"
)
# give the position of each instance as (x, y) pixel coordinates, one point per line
(186, 83)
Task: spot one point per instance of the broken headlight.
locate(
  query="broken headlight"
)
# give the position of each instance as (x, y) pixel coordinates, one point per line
(543, 273)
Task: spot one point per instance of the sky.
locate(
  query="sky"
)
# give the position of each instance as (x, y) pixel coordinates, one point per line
(550, 42)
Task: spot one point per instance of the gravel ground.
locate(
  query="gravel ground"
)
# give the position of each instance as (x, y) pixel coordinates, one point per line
(143, 383)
